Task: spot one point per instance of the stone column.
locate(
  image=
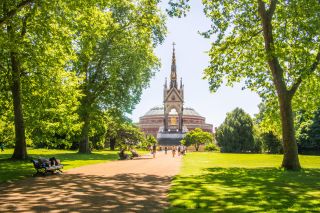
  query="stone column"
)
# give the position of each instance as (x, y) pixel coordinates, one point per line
(165, 120)
(180, 122)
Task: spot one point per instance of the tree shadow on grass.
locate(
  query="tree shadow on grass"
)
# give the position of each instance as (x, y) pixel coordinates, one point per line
(86, 193)
(247, 190)
(15, 170)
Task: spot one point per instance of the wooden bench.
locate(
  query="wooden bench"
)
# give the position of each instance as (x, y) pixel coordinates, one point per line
(124, 156)
(44, 166)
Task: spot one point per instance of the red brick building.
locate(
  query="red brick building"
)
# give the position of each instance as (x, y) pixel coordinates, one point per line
(154, 119)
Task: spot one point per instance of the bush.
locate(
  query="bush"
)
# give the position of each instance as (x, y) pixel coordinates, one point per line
(235, 134)
(308, 135)
(271, 143)
(211, 147)
(197, 137)
(148, 142)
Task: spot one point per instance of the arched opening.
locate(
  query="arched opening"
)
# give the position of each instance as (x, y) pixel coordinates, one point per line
(173, 120)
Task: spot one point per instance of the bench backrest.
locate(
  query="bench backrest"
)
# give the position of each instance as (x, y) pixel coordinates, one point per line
(36, 164)
(44, 163)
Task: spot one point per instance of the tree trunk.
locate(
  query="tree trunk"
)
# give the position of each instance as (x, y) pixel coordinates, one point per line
(84, 143)
(85, 109)
(290, 158)
(20, 149)
(112, 143)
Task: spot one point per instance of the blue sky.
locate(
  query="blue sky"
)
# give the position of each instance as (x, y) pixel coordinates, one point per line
(192, 59)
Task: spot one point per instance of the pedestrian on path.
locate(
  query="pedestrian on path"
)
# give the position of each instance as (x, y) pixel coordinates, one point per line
(154, 150)
(173, 151)
(165, 149)
(179, 150)
(183, 152)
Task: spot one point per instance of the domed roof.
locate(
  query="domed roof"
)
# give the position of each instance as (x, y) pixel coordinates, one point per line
(190, 111)
(159, 110)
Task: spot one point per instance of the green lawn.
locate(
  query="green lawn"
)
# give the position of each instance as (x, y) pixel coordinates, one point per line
(13, 170)
(215, 182)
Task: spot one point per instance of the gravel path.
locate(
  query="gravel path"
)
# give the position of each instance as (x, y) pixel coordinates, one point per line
(139, 185)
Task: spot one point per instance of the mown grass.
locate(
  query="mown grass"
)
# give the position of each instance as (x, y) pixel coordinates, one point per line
(13, 170)
(215, 182)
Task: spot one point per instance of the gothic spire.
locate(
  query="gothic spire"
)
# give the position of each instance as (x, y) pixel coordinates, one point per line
(173, 76)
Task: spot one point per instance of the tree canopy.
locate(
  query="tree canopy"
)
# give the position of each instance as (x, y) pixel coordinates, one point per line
(64, 64)
(197, 137)
(308, 134)
(235, 134)
(116, 58)
(274, 46)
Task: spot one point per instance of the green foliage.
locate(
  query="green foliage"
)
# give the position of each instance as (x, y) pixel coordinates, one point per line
(308, 134)
(130, 137)
(271, 143)
(235, 134)
(37, 40)
(51, 114)
(238, 50)
(273, 46)
(149, 142)
(304, 104)
(315, 131)
(115, 56)
(210, 147)
(197, 137)
(218, 182)
(78, 60)
(6, 130)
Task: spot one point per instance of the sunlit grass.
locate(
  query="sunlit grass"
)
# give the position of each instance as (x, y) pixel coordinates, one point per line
(215, 182)
(13, 170)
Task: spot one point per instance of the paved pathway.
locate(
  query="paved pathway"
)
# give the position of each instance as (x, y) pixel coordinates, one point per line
(139, 185)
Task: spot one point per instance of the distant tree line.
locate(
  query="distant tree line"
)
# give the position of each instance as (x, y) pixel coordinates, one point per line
(240, 133)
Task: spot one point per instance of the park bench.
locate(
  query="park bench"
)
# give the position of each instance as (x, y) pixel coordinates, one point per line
(124, 156)
(44, 166)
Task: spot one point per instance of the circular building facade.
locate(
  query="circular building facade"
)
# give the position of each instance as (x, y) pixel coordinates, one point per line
(151, 122)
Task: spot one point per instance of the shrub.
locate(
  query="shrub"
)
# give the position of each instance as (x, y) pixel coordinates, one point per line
(271, 143)
(211, 147)
(235, 134)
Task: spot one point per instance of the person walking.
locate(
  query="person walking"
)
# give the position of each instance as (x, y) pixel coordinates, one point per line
(184, 150)
(154, 150)
(179, 150)
(165, 149)
(173, 151)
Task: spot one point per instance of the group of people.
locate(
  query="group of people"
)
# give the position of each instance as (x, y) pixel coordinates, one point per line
(180, 150)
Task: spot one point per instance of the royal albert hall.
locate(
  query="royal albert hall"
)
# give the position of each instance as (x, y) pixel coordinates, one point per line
(172, 116)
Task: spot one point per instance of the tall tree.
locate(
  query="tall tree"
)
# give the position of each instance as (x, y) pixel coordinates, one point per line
(273, 45)
(115, 56)
(235, 134)
(34, 41)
